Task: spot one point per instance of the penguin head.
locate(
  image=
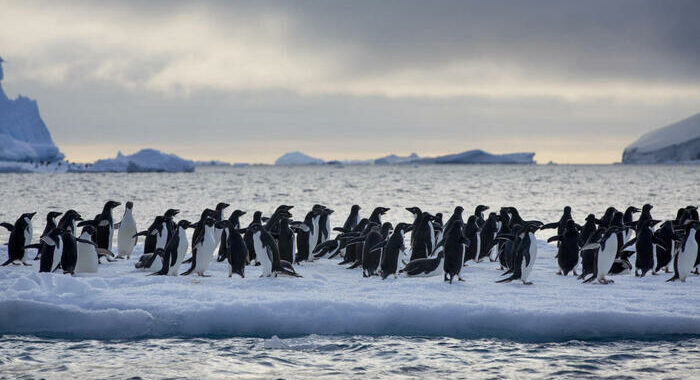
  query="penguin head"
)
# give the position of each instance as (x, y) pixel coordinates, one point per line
(405, 227)
(184, 224)
(237, 213)
(171, 213)
(327, 211)
(414, 210)
(567, 210)
(355, 208)
(438, 217)
(480, 208)
(29, 215)
(111, 204)
(89, 229)
(209, 222)
(633, 210)
(221, 205)
(52, 215)
(318, 207)
(387, 229)
(590, 218)
(382, 210)
(129, 205)
(459, 210)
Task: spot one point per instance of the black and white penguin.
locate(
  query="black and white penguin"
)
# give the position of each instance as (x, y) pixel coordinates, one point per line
(628, 220)
(235, 220)
(606, 249)
(324, 226)
(20, 237)
(269, 254)
(174, 252)
(393, 250)
(525, 254)
(272, 225)
(644, 247)
(203, 250)
(353, 218)
(646, 213)
(305, 239)
(487, 237)
(237, 252)
(51, 223)
(126, 241)
(471, 232)
(69, 256)
(218, 215)
(248, 238)
(568, 251)
(371, 256)
(428, 267)
(68, 221)
(87, 259)
(105, 226)
(622, 264)
(169, 219)
(51, 251)
(286, 241)
(561, 224)
(607, 217)
(664, 238)
(688, 254)
(422, 238)
(454, 247)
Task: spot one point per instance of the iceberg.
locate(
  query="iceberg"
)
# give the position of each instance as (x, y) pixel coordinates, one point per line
(298, 158)
(478, 156)
(393, 159)
(23, 134)
(121, 302)
(675, 143)
(145, 160)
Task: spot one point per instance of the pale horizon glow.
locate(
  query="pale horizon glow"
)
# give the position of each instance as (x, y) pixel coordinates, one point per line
(247, 82)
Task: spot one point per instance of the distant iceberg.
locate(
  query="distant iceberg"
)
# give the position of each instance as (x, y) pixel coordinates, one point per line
(23, 135)
(298, 158)
(393, 159)
(145, 160)
(675, 143)
(478, 156)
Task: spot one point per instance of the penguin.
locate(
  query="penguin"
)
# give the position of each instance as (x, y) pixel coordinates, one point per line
(393, 250)
(51, 223)
(665, 248)
(20, 237)
(87, 259)
(169, 219)
(125, 233)
(371, 256)
(305, 239)
(68, 221)
(525, 254)
(561, 224)
(272, 225)
(471, 232)
(248, 238)
(479, 214)
(324, 226)
(607, 217)
(151, 262)
(687, 256)
(237, 252)
(421, 238)
(454, 247)
(567, 253)
(218, 215)
(428, 267)
(605, 254)
(627, 220)
(203, 250)
(235, 224)
(416, 212)
(174, 252)
(644, 247)
(487, 236)
(269, 255)
(105, 226)
(646, 213)
(622, 264)
(353, 218)
(51, 251)
(69, 256)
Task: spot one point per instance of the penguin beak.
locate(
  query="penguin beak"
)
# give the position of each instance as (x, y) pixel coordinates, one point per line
(32, 215)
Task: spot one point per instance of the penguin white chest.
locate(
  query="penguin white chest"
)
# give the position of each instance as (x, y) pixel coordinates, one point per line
(205, 250)
(87, 257)
(687, 257)
(262, 256)
(125, 239)
(527, 267)
(606, 256)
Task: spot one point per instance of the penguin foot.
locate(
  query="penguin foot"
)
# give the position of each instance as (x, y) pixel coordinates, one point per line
(527, 283)
(460, 279)
(26, 264)
(575, 274)
(15, 263)
(559, 273)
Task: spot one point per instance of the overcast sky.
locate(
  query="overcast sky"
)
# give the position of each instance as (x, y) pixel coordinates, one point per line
(573, 81)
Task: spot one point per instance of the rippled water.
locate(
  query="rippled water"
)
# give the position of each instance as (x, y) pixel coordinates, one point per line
(342, 357)
(540, 192)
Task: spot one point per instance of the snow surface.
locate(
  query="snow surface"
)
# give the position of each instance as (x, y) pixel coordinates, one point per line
(298, 158)
(120, 302)
(23, 134)
(145, 160)
(678, 142)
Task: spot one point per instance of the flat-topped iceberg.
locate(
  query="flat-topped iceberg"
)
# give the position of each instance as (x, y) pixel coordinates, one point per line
(298, 158)
(145, 160)
(478, 156)
(23, 134)
(675, 143)
(394, 159)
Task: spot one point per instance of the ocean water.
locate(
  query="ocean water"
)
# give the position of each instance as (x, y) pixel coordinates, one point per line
(214, 348)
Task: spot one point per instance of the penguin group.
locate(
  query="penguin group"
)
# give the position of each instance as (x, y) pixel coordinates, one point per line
(605, 246)
(423, 246)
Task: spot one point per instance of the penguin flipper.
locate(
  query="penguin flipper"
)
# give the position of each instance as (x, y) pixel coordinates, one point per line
(550, 225)
(509, 279)
(554, 238)
(6, 262)
(8, 226)
(194, 264)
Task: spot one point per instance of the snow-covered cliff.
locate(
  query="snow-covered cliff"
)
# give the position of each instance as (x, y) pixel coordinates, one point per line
(675, 143)
(23, 135)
